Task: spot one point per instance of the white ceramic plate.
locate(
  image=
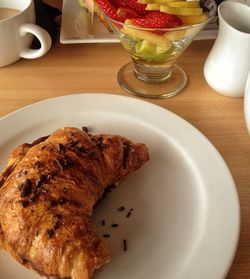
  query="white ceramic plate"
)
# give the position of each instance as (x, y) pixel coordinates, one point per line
(185, 222)
(77, 27)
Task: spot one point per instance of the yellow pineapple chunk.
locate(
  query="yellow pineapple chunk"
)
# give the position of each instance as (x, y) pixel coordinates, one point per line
(153, 7)
(145, 1)
(193, 19)
(185, 4)
(181, 10)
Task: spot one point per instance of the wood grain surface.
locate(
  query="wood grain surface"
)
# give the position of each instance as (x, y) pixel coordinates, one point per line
(69, 69)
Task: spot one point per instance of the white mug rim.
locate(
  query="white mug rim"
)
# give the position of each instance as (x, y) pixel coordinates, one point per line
(233, 4)
(5, 20)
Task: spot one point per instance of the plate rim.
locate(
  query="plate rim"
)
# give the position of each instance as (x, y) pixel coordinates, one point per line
(160, 109)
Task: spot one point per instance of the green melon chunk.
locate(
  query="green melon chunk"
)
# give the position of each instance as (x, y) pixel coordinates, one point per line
(151, 52)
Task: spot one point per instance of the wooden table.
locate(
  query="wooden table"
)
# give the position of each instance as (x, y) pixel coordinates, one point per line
(70, 69)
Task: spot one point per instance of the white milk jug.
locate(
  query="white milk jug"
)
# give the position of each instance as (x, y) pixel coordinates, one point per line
(227, 65)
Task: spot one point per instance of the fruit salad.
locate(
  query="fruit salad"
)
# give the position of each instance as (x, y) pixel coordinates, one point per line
(154, 31)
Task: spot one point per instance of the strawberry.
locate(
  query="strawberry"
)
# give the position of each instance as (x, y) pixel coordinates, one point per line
(109, 10)
(172, 20)
(158, 19)
(139, 8)
(119, 3)
(127, 12)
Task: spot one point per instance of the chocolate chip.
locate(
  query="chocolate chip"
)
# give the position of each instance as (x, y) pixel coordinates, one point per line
(130, 212)
(26, 188)
(126, 152)
(101, 146)
(41, 179)
(65, 162)
(57, 225)
(44, 178)
(39, 164)
(114, 225)
(50, 232)
(35, 197)
(81, 149)
(65, 190)
(53, 203)
(85, 129)
(61, 147)
(92, 155)
(62, 200)
(23, 260)
(25, 203)
(125, 245)
(59, 216)
(50, 176)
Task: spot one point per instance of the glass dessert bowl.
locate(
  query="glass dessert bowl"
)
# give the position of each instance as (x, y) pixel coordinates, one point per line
(155, 33)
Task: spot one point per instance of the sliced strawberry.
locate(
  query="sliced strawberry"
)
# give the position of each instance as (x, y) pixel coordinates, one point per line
(119, 3)
(143, 22)
(171, 20)
(127, 12)
(139, 8)
(109, 10)
(157, 20)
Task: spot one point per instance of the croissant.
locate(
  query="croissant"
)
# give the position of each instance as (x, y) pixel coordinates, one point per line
(47, 194)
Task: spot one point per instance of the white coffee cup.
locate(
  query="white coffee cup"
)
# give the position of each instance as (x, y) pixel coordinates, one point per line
(227, 65)
(17, 29)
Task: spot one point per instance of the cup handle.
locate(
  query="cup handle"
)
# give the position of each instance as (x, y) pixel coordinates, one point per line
(42, 35)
